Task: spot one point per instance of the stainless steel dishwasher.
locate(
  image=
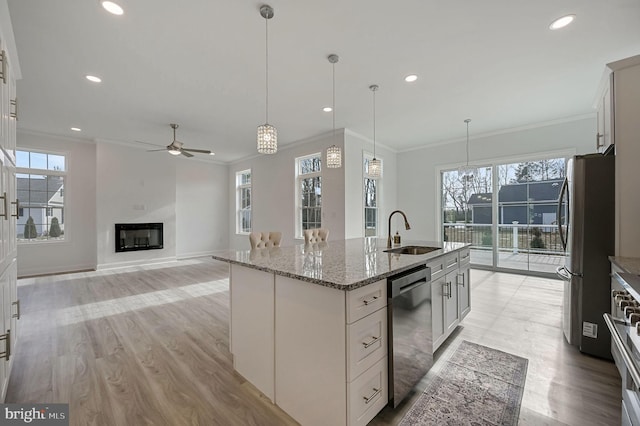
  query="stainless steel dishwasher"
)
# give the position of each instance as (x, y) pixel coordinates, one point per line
(410, 331)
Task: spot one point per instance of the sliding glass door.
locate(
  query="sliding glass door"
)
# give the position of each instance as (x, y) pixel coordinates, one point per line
(507, 212)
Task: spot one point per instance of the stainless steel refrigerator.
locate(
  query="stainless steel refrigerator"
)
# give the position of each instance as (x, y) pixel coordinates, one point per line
(586, 221)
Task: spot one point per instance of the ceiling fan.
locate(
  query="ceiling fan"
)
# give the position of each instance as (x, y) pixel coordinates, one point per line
(175, 147)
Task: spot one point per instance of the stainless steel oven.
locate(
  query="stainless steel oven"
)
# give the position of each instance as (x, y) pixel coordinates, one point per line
(624, 325)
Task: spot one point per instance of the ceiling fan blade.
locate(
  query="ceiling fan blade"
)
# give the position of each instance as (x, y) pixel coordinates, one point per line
(186, 154)
(154, 150)
(201, 151)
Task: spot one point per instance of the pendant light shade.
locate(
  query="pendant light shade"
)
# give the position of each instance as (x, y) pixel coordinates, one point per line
(334, 153)
(334, 157)
(374, 168)
(267, 134)
(466, 173)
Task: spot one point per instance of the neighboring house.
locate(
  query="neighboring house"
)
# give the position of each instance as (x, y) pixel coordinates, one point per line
(42, 199)
(527, 203)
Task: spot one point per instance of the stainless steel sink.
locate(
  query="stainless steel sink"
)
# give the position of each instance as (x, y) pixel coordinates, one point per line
(412, 250)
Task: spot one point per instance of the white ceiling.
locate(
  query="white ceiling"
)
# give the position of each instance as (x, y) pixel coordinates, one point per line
(201, 63)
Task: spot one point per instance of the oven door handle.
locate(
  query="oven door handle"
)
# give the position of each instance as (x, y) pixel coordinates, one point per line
(617, 340)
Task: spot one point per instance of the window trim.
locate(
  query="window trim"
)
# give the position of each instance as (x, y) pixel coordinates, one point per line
(298, 179)
(239, 187)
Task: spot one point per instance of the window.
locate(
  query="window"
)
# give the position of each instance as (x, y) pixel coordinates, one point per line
(508, 212)
(40, 186)
(371, 195)
(243, 202)
(309, 193)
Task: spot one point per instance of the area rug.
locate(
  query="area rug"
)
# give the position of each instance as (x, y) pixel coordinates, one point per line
(476, 386)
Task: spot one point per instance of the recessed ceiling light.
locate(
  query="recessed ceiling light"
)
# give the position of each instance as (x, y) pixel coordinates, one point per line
(76, 129)
(562, 22)
(93, 78)
(112, 7)
(411, 78)
(327, 109)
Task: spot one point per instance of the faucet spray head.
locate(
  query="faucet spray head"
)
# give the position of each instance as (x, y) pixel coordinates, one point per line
(406, 224)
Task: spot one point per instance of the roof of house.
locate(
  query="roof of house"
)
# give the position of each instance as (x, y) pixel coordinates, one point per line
(33, 191)
(540, 191)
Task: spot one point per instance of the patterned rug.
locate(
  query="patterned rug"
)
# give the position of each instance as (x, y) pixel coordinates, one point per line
(477, 386)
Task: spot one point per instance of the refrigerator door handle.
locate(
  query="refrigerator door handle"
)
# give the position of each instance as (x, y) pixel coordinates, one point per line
(565, 189)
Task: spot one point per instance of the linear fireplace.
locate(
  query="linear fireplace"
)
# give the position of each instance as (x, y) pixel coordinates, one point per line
(138, 236)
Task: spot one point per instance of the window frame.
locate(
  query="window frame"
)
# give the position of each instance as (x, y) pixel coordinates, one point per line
(366, 157)
(239, 201)
(298, 182)
(64, 175)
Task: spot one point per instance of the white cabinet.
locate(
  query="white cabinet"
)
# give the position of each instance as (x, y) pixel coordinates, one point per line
(604, 134)
(330, 352)
(450, 294)
(9, 304)
(618, 105)
(463, 282)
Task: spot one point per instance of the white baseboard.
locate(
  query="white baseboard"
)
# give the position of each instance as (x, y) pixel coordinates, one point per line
(140, 262)
(59, 269)
(194, 254)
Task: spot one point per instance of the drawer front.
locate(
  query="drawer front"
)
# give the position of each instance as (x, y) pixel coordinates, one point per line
(450, 262)
(437, 268)
(366, 300)
(464, 257)
(367, 343)
(368, 394)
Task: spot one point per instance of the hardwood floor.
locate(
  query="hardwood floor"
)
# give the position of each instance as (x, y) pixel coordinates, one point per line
(149, 345)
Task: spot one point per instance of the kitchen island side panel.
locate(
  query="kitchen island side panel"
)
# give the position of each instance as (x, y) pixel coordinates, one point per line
(252, 326)
(310, 352)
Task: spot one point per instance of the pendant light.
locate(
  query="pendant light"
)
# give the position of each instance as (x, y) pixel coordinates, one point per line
(267, 134)
(334, 153)
(465, 172)
(374, 169)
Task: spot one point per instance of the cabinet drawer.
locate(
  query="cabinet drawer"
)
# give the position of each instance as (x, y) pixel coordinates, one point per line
(464, 257)
(368, 394)
(366, 342)
(365, 300)
(450, 262)
(437, 268)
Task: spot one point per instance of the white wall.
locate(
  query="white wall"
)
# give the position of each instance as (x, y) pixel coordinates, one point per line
(356, 146)
(273, 191)
(78, 250)
(134, 186)
(419, 193)
(202, 216)
(188, 196)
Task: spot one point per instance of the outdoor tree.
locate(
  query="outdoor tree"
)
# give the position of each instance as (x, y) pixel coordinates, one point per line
(54, 230)
(532, 171)
(30, 231)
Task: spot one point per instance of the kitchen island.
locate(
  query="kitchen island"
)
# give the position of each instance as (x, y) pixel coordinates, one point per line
(308, 323)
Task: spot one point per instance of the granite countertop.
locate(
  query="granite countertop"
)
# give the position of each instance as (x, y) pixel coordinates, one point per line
(630, 265)
(346, 264)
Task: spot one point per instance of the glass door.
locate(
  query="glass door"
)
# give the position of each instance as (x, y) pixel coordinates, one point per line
(508, 213)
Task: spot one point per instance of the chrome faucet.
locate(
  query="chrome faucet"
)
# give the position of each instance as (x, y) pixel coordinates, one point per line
(406, 225)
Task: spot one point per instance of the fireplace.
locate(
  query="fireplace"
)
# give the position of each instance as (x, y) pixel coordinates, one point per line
(138, 236)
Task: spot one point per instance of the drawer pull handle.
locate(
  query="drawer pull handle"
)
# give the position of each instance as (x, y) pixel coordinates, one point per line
(5, 214)
(367, 302)
(461, 283)
(17, 314)
(373, 395)
(367, 344)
